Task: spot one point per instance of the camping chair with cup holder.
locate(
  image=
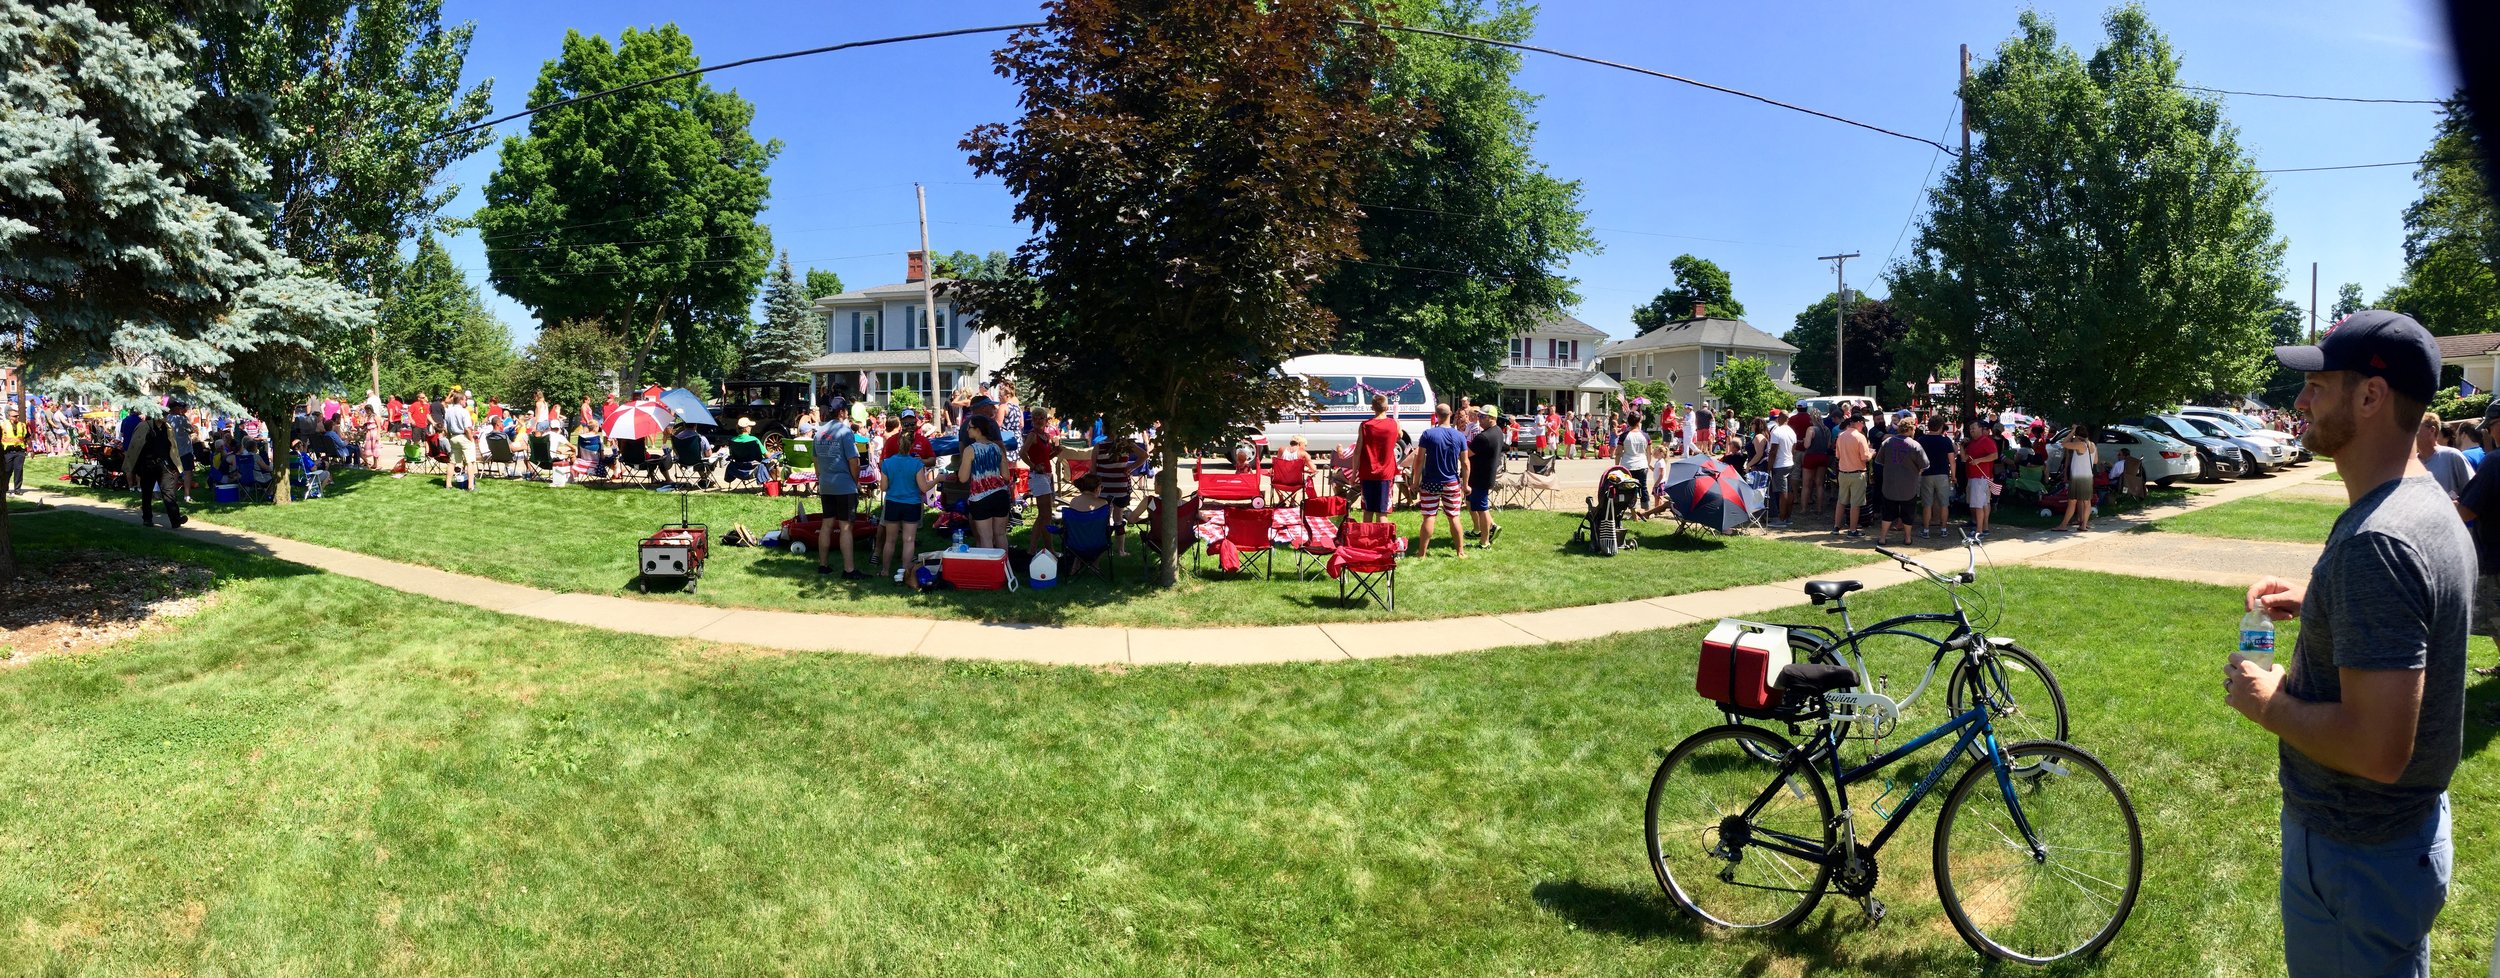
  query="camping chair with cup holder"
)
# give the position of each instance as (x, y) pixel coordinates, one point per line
(499, 454)
(1249, 540)
(747, 464)
(1289, 481)
(1365, 563)
(1087, 536)
(1531, 486)
(690, 457)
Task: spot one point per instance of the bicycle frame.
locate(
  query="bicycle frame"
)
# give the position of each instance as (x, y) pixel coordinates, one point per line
(1973, 726)
(1844, 644)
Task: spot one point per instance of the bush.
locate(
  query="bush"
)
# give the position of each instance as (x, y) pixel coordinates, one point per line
(2450, 407)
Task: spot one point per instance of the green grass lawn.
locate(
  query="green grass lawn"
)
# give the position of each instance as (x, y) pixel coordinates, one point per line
(582, 539)
(2293, 519)
(317, 776)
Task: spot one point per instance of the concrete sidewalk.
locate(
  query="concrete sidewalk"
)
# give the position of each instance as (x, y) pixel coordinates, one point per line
(1099, 646)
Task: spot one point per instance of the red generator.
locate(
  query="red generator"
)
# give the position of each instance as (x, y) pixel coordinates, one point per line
(675, 553)
(1739, 662)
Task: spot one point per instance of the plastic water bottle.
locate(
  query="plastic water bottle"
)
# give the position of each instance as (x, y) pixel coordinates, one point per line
(2257, 638)
(959, 548)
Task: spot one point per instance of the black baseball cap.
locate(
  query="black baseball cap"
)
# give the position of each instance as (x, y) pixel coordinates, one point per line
(2374, 343)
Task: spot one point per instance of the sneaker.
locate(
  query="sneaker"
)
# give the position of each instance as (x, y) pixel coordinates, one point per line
(1495, 535)
(898, 577)
(852, 575)
(1857, 534)
(822, 569)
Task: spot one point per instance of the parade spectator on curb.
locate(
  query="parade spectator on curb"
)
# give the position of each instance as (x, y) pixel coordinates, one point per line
(1905, 472)
(1115, 465)
(1814, 459)
(457, 429)
(1851, 453)
(1376, 460)
(2077, 451)
(149, 459)
(14, 443)
(1041, 455)
(1935, 487)
(1484, 460)
(2370, 709)
(1632, 452)
(908, 479)
(1782, 452)
(1979, 458)
(2447, 465)
(837, 488)
(982, 467)
(1440, 459)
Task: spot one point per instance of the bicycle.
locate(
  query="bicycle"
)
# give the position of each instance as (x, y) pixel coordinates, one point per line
(2020, 681)
(2052, 875)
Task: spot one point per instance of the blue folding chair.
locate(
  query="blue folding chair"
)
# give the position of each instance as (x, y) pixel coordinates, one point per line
(1087, 535)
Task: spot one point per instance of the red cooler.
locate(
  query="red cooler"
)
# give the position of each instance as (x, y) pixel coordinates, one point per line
(1739, 662)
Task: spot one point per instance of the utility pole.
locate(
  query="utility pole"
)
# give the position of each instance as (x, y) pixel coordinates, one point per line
(1840, 318)
(1970, 358)
(2313, 303)
(928, 294)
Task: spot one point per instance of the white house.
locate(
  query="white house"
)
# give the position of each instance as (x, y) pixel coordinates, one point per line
(2471, 357)
(1553, 365)
(877, 341)
(1686, 352)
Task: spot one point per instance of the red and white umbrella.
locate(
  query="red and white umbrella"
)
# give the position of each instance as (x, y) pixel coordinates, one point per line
(639, 420)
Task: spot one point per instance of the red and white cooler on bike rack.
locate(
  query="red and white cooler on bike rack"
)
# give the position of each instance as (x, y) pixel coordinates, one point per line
(1740, 660)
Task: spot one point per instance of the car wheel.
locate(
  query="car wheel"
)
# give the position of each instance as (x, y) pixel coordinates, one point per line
(2166, 483)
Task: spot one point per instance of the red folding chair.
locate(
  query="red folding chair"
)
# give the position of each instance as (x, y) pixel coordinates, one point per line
(1231, 489)
(1152, 533)
(1249, 535)
(1289, 480)
(1312, 557)
(1373, 574)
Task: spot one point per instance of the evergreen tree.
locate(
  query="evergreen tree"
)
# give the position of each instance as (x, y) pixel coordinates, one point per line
(435, 330)
(635, 210)
(790, 334)
(128, 231)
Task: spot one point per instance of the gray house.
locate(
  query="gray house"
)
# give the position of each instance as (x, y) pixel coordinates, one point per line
(1686, 352)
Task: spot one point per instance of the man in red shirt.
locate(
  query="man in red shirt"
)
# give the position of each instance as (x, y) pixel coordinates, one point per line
(1980, 451)
(1376, 460)
(1800, 421)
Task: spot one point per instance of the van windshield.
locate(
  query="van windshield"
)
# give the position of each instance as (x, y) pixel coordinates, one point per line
(1400, 390)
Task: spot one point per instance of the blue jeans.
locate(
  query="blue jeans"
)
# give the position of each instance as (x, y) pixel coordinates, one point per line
(2363, 910)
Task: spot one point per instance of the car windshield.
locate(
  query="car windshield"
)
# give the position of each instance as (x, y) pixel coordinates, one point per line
(2219, 429)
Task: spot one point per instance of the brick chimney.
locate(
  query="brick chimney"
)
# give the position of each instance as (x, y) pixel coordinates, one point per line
(1698, 311)
(916, 266)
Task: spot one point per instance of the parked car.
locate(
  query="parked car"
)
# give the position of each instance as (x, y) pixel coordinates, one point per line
(2269, 453)
(775, 405)
(2217, 457)
(2166, 460)
(2291, 443)
(1859, 404)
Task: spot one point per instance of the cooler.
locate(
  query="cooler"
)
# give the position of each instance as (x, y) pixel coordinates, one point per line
(229, 494)
(976, 569)
(1739, 662)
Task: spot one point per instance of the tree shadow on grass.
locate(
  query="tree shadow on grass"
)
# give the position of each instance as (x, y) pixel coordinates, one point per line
(1693, 540)
(1820, 943)
(2482, 710)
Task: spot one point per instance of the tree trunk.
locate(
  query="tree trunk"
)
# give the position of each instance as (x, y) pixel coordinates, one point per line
(8, 549)
(1970, 387)
(1168, 515)
(642, 350)
(281, 460)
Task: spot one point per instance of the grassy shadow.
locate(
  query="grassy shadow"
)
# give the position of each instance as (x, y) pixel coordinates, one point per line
(1820, 943)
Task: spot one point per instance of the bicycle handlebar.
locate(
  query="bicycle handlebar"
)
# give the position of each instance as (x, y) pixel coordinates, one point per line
(1970, 565)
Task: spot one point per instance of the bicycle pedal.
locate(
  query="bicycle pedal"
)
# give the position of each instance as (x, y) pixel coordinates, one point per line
(1874, 910)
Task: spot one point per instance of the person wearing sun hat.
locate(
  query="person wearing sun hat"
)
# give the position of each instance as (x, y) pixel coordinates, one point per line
(2370, 711)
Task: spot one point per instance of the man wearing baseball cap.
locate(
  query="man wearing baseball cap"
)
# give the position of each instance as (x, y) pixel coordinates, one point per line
(2370, 711)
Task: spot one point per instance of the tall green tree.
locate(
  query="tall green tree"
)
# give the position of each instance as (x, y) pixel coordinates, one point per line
(435, 330)
(567, 361)
(636, 210)
(1696, 280)
(1464, 232)
(790, 334)
(967, 265)
(822, 283)
(2348, 300)
(1743, 386)
(129, 239)
(1190, 171)
(2452, 236)
(2107, 236)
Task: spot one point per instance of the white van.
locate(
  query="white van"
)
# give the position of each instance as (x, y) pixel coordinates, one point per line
(1342, 387)
(1859, 404)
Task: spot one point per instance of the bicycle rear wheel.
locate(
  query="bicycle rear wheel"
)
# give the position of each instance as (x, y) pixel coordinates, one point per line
(2071, 897)
(1711, 857)
(2029, 704)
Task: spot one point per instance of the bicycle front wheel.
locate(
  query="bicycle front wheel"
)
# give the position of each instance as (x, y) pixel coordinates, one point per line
(2028, 703)
(2067, 898)
(1718, 862)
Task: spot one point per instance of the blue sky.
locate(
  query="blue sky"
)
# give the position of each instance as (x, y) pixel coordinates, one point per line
(1667, 168)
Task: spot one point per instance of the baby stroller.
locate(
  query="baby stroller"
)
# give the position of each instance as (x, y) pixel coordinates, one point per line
(1601, 528)
(98, 466)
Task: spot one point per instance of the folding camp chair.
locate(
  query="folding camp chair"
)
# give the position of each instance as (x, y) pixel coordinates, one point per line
(1249, 534)
(1234, 489)
(1374, 575)
(1188, 527)
(1311, 558)
(1532, 486)
(413, 453)
(632, 455)
(499, 453)
(1087, 536)
(542, 452)
(746, 464)
(1289, 481)
(691, 456)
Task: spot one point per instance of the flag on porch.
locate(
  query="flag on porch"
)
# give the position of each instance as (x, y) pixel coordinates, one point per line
(2465, 388)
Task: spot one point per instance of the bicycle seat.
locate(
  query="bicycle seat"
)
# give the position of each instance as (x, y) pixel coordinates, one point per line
(1822, 591)
(1808, 679)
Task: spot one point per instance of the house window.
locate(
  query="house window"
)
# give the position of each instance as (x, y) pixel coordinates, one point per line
(1519, 351)
(1649, 365)
(864, 335)
(1562, 353)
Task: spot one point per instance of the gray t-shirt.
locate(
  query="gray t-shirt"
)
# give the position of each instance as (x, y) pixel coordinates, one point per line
(835, 447)
(2392, 591)
(2449, 467)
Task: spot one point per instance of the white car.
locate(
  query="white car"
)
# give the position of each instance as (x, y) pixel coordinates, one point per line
(2166, 460)
(2291, 443)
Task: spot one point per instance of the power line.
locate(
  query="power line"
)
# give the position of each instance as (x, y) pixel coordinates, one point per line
(2316, 98)
(829, 48)
(1654, 234)
(1654, 73)
(2366, 166)
(1923, 184)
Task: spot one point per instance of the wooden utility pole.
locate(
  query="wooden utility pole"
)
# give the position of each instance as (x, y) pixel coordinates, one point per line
(928, 293)
(2313, 303)
(1970, 356)
(1840, 318)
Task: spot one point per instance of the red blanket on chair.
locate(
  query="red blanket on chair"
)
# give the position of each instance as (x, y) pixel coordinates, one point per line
(1359, 558)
